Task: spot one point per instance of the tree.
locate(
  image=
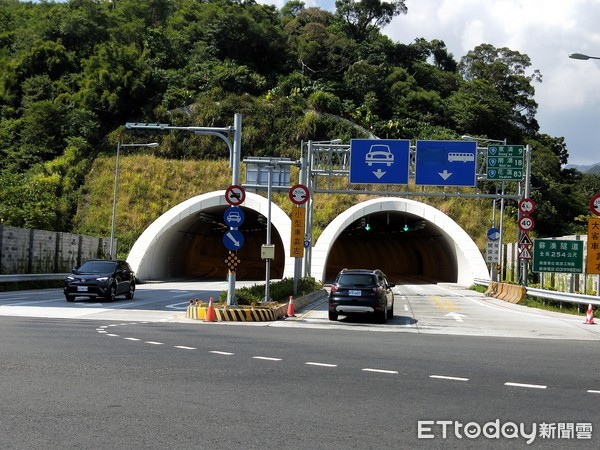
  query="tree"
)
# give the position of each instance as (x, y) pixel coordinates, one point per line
(506, 69)
(360, 18)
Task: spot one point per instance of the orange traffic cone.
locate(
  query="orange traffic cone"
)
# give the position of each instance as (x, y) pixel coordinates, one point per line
(290, 311)
(210, 312)
(590, 316)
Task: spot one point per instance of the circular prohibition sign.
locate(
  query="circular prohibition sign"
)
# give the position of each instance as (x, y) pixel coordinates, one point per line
(235, 195)
(526, 223)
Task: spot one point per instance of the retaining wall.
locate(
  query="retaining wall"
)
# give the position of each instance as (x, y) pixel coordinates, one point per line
(30, 251)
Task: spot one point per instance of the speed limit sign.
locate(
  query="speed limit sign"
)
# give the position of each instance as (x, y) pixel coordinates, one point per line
(526, 223)
(526, 205)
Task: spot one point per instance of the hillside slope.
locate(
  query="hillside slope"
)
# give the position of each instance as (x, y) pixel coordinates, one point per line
(150, 186)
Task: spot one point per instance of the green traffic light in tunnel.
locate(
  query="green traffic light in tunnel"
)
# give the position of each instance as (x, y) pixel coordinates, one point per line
(368, 227)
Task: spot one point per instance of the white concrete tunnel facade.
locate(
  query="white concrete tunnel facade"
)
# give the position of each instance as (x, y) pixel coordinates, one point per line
(149, 256)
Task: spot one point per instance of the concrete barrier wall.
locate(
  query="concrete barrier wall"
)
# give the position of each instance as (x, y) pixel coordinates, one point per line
(512, 293)
(30, 251)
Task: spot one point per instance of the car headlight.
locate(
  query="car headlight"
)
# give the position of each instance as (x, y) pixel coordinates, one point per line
(102, 279)
(69, 278)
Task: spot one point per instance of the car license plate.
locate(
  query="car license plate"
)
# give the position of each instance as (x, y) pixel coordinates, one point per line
(82, 288)
(354, 293)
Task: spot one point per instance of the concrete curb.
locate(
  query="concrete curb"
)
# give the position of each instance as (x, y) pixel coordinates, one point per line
(196, 310)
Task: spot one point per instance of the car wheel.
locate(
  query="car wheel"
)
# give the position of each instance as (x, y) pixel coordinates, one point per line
(112, 293)
(131, 291)
(70, 298)
(333, 315)
(383, 315)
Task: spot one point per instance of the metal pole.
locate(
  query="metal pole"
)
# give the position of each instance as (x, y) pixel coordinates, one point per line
(114, 208)
(527, 194)
(235, 180)
(268, 260)
(309, 212)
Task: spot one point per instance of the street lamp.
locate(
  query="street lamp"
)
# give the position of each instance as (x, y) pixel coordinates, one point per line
(112, 252)
(582, 56)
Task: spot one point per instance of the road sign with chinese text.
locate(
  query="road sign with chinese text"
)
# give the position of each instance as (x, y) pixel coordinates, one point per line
(593, 246)
(554, 255)
(505, 162)
(297, 235)
(492, 252)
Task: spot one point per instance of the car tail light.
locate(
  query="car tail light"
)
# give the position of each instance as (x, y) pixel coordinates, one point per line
(334, 288)
(378, 290)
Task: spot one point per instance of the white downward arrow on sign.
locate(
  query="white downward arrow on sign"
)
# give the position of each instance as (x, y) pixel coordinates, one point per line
(455, 316)
(445, 174)
(230, 236)
(379, 173)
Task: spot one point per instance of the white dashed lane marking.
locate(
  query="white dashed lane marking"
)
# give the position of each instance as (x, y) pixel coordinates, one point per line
(266, 358)
(395, 372)
(523, 385)
(102, 330)
(444, 377)
(320, 364)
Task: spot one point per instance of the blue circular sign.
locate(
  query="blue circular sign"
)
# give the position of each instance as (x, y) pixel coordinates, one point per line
(233, 217)
(233, 240)
(493, 234)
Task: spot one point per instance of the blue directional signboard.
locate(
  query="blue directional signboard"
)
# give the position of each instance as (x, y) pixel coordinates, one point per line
(379, 161)
(233, 240)
(446, 163)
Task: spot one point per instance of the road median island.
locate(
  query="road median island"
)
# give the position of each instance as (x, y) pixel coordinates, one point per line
(268, 312)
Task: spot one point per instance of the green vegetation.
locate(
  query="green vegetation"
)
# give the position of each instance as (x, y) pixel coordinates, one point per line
(74, 73)
(279, 291)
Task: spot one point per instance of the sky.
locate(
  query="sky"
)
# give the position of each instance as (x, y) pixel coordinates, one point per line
(546, 30)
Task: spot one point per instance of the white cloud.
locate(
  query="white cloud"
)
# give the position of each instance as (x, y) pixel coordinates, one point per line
(545, 30)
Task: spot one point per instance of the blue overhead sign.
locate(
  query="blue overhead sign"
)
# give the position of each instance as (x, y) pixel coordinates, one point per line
(446, 163)
(379, 161)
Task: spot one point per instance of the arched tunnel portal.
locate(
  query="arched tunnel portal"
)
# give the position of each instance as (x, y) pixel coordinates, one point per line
(402, 237)
(402, 245)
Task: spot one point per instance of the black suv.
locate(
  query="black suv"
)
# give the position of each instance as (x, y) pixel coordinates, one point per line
(361, 291)
(100, 278)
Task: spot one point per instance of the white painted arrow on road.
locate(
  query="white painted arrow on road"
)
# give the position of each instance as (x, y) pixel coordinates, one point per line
(455, 316)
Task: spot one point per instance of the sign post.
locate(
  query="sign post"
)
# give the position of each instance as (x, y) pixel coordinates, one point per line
(233, 239)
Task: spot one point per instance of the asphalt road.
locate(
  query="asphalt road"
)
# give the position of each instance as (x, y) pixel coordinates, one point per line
(141, 376)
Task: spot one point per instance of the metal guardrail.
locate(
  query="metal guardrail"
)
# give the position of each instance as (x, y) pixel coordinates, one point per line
(567, 297)
(22, 277)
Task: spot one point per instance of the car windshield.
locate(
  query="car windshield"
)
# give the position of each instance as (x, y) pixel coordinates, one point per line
(354, 279)
(97, 267)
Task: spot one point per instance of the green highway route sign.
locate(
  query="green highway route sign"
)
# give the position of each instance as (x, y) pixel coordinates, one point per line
(505, 162)
(554, 255)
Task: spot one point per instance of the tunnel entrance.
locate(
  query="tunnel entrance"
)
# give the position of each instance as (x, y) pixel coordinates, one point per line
(198, 251)
(401, 244)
